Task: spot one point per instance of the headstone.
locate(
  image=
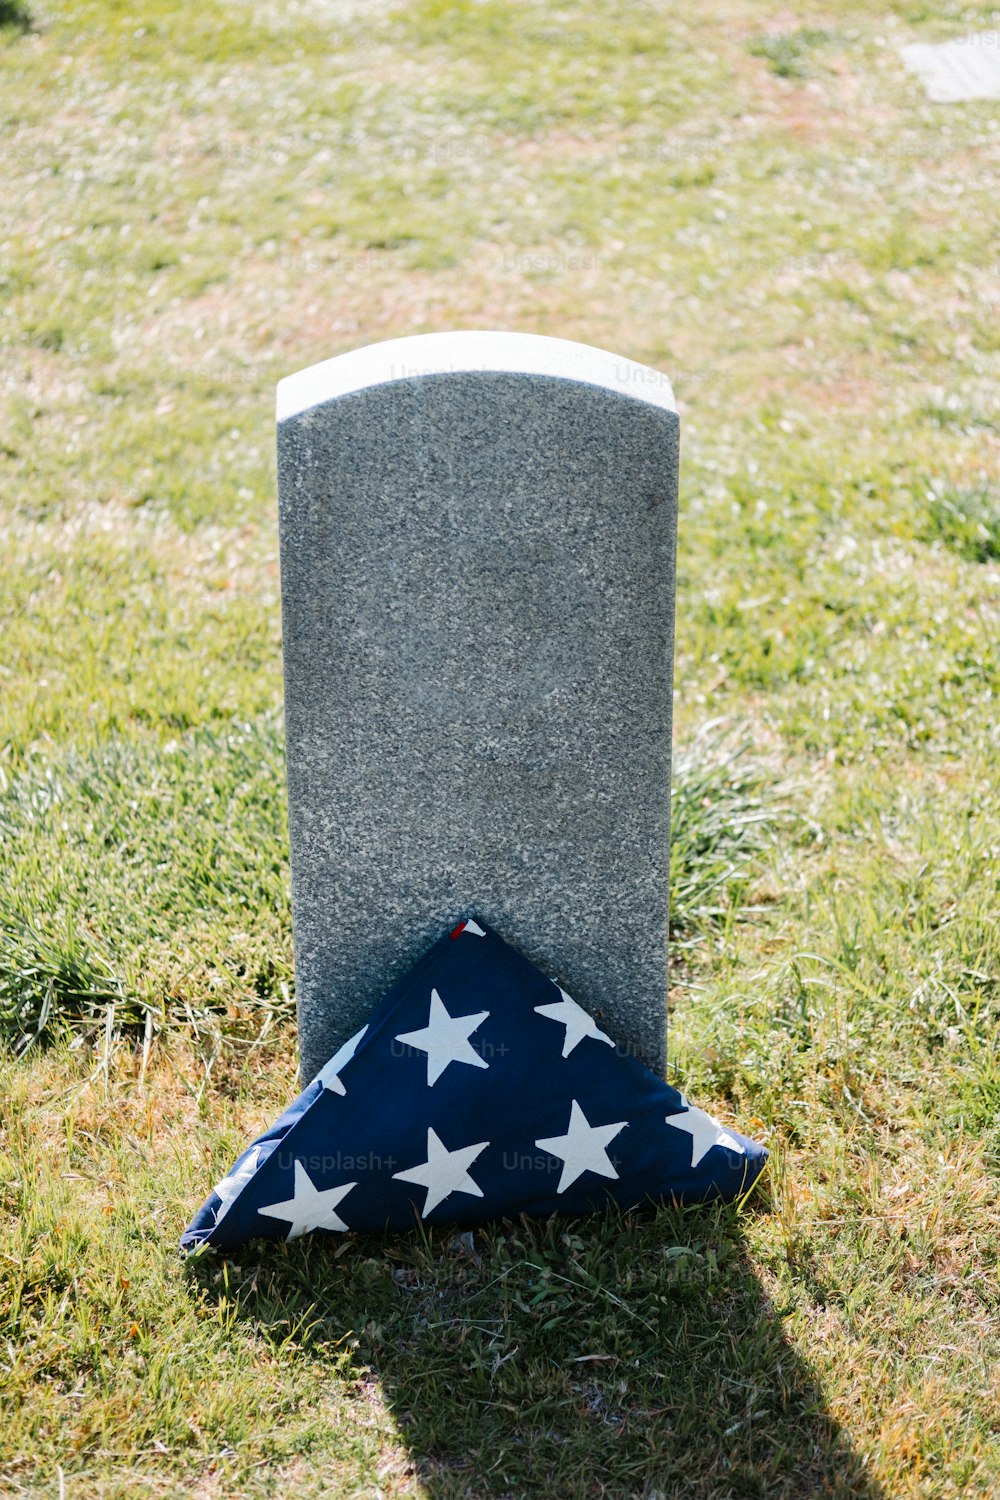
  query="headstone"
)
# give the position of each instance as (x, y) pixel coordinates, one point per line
(953, 72)
(477, 559)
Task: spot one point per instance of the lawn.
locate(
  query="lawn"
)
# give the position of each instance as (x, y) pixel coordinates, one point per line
(200, 199)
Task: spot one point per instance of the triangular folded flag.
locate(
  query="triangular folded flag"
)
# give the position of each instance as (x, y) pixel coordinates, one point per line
(478, 1090)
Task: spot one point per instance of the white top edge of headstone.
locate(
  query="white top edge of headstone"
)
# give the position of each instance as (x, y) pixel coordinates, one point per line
(466, 352)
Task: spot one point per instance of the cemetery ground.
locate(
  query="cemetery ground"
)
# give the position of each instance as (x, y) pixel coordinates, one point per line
(198, 200)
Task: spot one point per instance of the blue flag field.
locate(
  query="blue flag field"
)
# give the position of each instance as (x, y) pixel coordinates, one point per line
(478, 1090)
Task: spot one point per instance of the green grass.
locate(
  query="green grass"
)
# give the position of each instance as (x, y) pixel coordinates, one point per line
(787, 52)
(967, 522)
(199, 200)
(14, 17)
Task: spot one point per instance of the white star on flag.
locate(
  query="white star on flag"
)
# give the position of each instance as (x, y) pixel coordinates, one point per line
(309, 1207)
(704, 1132)
(575, 1019)
(445, 1039)
(582, 1147)
(444, 1172)
(329, 1074)
(229, 1188)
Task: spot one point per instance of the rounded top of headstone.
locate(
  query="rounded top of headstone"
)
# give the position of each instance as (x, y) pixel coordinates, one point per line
(470, 352)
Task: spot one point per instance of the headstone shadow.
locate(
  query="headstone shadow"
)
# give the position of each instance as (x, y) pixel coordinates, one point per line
(622, 1355)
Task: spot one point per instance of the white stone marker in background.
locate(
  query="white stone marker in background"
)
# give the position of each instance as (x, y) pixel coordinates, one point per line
(477, 558)
(956, 71)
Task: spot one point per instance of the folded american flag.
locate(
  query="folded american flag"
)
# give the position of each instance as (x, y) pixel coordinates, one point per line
(478, 1090)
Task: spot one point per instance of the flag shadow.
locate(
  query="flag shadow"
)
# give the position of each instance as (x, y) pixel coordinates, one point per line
(621, 1355)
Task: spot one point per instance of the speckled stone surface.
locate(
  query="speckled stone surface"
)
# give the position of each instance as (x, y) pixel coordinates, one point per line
(477, 557)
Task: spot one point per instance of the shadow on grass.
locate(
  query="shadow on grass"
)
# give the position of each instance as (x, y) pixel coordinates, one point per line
(617, 1356)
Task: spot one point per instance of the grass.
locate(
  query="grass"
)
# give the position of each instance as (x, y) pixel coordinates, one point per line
(199, 201)
(968, 523)
(787, 52)
(14, 16)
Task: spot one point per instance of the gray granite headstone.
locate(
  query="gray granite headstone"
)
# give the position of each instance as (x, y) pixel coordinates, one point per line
(477, 560)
